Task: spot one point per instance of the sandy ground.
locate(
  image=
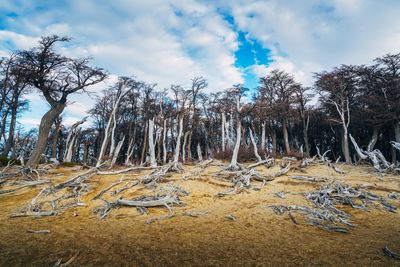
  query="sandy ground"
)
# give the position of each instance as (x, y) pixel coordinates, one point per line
(258, 237)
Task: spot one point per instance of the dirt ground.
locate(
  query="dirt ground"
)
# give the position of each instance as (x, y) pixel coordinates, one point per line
(258, 237)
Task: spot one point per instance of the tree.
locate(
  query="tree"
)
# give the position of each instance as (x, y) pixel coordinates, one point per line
(278, 89)
(55, 77)
(14, 86)
(338, 88)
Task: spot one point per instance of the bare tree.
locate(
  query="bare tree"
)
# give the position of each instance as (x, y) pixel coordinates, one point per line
(56, 77)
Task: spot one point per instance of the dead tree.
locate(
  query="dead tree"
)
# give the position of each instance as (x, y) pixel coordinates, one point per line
(123, 85)
(254, 145)
(71, 139)
(376, 157)
(56, 77)
(153, 162)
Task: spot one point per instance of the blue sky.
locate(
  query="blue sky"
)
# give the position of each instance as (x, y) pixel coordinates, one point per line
(226, 41)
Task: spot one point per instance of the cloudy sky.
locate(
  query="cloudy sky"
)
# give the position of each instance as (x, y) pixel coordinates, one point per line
(227, 41)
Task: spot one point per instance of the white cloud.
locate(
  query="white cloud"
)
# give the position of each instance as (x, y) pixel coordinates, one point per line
(21, 41)
(308, 36)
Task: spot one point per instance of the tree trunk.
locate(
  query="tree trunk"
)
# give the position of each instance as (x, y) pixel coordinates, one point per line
(116, 152)
(184, 147)
(345, 143)
(273, 137)
(262, 137)
(305, 136)
(397, 138)
(178, 141)
(234, 163)
(57, 128)
(71, 144)
(142, 157)
(199, 153)
(374, 139)
(10, 139)
(254, 145)
(286, 136)
(189, 145)
(164, 142)
(44, 130)
(153, 162)
(223, 132)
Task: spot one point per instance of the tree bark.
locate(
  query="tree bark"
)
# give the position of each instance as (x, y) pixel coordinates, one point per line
(286, 136)
(142, 157)
(153, 162)
(305, 136)
(234, 163)
(184, 146)
(263, 137)
(274, 143)
(44, 130)
(254, 145)
(223, 132)
(116, 152)
(178, 141)
(10, 139)
(374, 139)
(57, 128)
(345, 143)
(199, 153)
(164, 142)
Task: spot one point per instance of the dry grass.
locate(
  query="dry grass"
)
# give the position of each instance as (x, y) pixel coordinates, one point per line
(257, 238)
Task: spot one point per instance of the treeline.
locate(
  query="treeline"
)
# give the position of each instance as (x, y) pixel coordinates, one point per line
(132, 122)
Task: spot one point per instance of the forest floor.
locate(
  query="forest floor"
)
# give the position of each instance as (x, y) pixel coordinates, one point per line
(258, 236)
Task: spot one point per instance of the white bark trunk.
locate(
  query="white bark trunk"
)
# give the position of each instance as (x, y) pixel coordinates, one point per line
(153, 162)
(178, 142)
(68, 156)
(223, 131)
(234, 163)
(263, 136)
(107, 131)
(254, 146)
(184, 146)
(199, 153)
(165, 142)
(116, 152)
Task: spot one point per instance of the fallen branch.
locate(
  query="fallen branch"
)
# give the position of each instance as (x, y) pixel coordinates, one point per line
(28, 184)
(309, 178)
(59, 264)
(136, 168)
(38, 231)
(390, 253)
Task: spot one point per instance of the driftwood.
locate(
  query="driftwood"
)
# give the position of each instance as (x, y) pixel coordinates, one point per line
(67, 263)
(326, 219)
(195, 213)
(390, 253)
(328, 162)
(307, 161)
(143, 201)
(38, 231)
(33, 214)
(280, 194)
(326, 215)
(27, 184)
(241, 180)
(231, 217)
(106, 189)
(267, 162)
(376, 157)
(135, 168)
(308, 178)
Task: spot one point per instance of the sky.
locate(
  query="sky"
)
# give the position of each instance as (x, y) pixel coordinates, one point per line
(228, 42)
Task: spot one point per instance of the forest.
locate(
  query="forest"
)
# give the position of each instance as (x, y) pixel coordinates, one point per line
(352, 111)
(198, 152)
